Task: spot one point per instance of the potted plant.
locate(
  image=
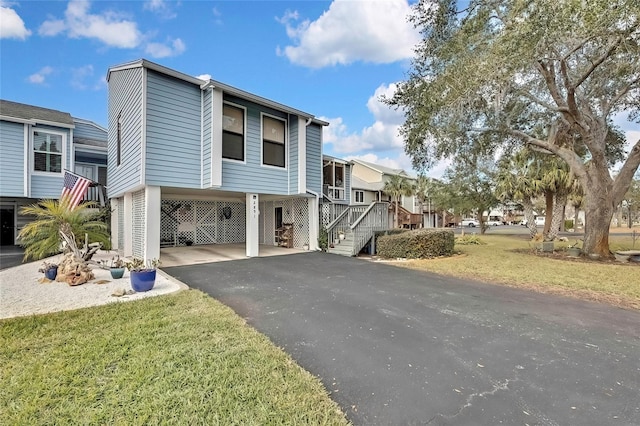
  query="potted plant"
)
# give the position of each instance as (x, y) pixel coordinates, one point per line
(49, 269)
(573, 250)
(117, 267)
(142, 274)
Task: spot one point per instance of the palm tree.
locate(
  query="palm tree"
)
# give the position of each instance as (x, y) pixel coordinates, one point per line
(397, 186)
(558, 181)
(55, 222)
(423, 190)
(519, 180)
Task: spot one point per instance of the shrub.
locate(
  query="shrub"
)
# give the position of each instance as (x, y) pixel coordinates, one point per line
(568, 224)
(323, 239)
(418, 244)
(469, 240)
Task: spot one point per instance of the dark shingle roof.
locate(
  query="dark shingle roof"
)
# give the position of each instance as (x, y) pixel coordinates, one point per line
(30, 112)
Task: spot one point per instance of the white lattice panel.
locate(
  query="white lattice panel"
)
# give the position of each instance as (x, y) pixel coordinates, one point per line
(269, 223)
(120, 207)
(261, 236)
(169, 222)
(202, 222)
(138, 221)
(206, 222)
(300, 215)
(231, 222)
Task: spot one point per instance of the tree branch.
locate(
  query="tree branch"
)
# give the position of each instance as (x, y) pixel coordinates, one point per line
(549, 78)
(572, 159)
(606, 109)
(624, 177)
(599, 61)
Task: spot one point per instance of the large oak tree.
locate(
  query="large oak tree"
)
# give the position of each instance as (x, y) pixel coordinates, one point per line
(549, 74)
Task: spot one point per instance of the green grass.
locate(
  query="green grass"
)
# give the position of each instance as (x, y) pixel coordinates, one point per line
(509, 260)
(177, 359)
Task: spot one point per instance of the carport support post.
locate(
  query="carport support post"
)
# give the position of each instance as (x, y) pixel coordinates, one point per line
(252, 233)
(152, 220)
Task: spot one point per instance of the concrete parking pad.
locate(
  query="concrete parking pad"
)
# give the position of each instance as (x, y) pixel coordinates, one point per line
(398, 346)
(192, 255)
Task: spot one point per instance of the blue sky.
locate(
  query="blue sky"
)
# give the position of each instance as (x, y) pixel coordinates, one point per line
(332, 59)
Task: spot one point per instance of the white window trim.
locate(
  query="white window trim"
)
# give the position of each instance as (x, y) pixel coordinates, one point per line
(355, 195)
(286, 142)
(32, 153)
(244, 136)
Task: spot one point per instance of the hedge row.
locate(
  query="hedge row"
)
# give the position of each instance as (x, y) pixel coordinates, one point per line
(418, 244)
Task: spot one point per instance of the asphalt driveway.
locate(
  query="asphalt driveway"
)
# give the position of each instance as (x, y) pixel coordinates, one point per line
(396, 346)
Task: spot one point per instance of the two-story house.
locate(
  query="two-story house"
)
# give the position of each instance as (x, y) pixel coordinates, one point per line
(367, 185)
(36, 146)
(200, 162)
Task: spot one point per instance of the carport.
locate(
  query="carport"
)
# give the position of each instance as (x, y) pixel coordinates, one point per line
(193, 255)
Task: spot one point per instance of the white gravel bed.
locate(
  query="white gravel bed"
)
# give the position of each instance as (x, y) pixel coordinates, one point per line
(21, 293)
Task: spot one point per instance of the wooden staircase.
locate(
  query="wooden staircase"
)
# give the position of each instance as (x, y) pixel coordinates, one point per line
(358, 225)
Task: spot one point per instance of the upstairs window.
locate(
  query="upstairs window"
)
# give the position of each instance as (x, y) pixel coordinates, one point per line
(359, 196)
(232, 132)
(273, 142)
(47, 152)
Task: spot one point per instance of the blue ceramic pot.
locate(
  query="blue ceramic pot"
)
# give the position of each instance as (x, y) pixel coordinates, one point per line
(116, 273)
(142, 280)
(51, 273)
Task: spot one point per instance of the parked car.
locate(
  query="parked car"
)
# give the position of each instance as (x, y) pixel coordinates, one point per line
(471, 223)
(539, 221)
(493, 223)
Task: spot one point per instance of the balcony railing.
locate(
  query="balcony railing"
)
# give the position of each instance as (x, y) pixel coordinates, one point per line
(334, 192)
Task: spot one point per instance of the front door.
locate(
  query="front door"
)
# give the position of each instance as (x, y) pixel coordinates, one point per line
(278, 216)
(7, 226)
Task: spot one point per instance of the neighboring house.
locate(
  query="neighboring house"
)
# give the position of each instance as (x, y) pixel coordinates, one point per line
(367, 183)
(201, 162)
(36, 146)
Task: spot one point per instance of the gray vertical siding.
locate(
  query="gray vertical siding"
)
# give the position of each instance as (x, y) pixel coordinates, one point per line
(252, 176)
(88, 131)
(206, 152)
(294, 162)
(314, 158)
(125, 95)
(12, 159)
(173, 132)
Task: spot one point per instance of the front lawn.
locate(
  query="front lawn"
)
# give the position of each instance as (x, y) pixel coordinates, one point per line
(510, 260)
(183, 358)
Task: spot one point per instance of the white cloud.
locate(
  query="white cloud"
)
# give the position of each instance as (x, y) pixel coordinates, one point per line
(205, 77)
(109, 27)
(80, 75)
(162, 8)
(162, 50)
(12, 24)
(217, 16)
(382, 135)
(369, 31)
(40, 76)
(52, 27)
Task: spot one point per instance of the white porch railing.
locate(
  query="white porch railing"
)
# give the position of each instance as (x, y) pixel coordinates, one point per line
(361, 222)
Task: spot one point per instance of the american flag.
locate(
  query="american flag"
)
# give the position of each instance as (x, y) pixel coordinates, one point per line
(74, 188)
